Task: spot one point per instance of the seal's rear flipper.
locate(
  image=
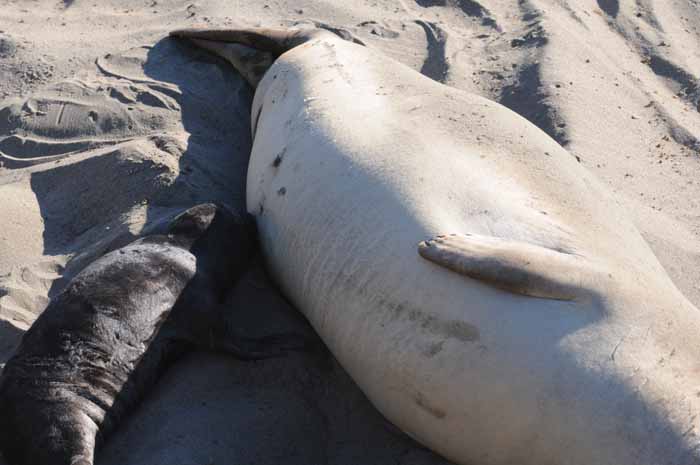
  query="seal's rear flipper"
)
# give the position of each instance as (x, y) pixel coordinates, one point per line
(273, 40)
(513, 266)
(251, 63)
(250, 50)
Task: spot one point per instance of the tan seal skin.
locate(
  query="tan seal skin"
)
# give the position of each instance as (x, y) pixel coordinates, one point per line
(483, 289)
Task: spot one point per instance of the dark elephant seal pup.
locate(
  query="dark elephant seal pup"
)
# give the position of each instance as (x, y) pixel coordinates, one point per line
(482, 287)
(103, 342)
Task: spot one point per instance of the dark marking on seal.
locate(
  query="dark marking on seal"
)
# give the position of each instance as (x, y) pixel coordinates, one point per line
(278, 159)
(423, 403)
(434, 349)
(282, 191)
(460, 330)
(103, 342)
(455, 329)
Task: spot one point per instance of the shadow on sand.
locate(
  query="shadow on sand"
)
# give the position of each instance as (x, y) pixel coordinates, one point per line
(171, 130)
(9, 340)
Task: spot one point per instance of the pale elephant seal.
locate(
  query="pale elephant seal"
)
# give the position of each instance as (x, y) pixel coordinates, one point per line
(484, 289)
(104, 341)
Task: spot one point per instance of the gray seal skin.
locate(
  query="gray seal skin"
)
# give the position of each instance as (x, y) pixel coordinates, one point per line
(103, 342)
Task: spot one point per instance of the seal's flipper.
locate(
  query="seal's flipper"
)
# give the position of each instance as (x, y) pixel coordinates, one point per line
(273, 40)
(250, 50)
(250, 62)
(513, 266)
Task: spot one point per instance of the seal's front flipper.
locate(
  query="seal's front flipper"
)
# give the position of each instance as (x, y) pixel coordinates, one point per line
(513, 266)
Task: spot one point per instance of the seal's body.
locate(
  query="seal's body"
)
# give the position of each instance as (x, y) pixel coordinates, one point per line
(103, 342)
(482, 287)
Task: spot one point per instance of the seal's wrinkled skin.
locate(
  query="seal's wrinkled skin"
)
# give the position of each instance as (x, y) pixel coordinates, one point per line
(104, 341)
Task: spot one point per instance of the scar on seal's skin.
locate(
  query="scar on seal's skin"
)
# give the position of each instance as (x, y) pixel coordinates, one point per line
(423, 403)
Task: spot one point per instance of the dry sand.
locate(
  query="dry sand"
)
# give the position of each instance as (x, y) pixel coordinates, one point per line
(107, 128)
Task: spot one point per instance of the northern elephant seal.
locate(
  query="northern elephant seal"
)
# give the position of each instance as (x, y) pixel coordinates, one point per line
(484, 289)
(103, 342)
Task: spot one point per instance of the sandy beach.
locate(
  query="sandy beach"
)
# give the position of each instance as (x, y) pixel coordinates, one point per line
(108, 128)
